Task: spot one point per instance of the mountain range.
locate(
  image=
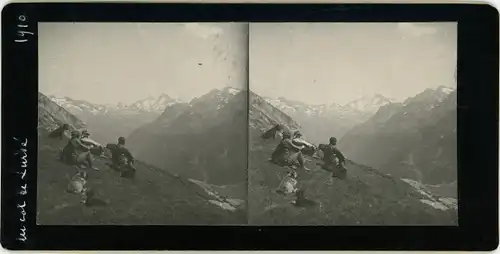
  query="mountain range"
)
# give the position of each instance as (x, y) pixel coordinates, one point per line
(108, 122)
(319, 122)
(150, 104)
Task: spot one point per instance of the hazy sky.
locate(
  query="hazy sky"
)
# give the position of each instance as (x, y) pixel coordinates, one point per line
(339, 62)
(125, 62)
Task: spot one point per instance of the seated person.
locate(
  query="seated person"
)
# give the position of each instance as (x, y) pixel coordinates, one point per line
(120, 156)
(333, 159)
(59, 132)
(87, 141)
(95, 148)
(288, 154)
(85, 134)
(298, 140)
(77, 153)
(273, 132)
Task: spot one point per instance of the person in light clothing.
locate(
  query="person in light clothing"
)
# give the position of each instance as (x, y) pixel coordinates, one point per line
(77, 153)
(298, 140)
(288, 154)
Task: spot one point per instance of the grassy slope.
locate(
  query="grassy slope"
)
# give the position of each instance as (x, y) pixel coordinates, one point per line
(364, 198)
(154, 197)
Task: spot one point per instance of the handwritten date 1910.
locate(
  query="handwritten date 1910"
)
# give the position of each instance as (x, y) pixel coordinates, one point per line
(22, 32)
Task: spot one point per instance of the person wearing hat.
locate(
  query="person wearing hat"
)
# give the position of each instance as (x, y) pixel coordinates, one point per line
(299, 140)
(287, 153)
(332, 157)
(85, 138)
(120, 155)
(59, 132)
(85, 134)
(77, 153)
(273, 132)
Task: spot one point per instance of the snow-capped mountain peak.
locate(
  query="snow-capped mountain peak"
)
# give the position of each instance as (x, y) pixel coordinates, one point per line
(152, 104)
(164, 98)
(368, 103)
(432, 96)
(289, 106)
(231, 90)
(362, 105)
(445, 89)
(220, 96)
(57, 100)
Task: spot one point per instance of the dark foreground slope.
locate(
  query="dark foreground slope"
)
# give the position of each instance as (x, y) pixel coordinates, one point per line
(366, 197)
(154, 197)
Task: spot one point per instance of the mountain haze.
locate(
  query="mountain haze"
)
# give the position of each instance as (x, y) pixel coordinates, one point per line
(319, 122)
(108, 122)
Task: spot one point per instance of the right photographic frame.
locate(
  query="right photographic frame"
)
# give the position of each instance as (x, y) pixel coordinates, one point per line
(353, 124)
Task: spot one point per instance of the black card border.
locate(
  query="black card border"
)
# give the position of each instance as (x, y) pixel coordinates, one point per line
(478, 68)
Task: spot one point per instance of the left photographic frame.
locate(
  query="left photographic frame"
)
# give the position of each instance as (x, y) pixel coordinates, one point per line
(126, 112)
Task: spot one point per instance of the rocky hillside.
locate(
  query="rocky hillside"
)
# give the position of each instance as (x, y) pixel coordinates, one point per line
(415, 139)
(262, 115)
(51, 116)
